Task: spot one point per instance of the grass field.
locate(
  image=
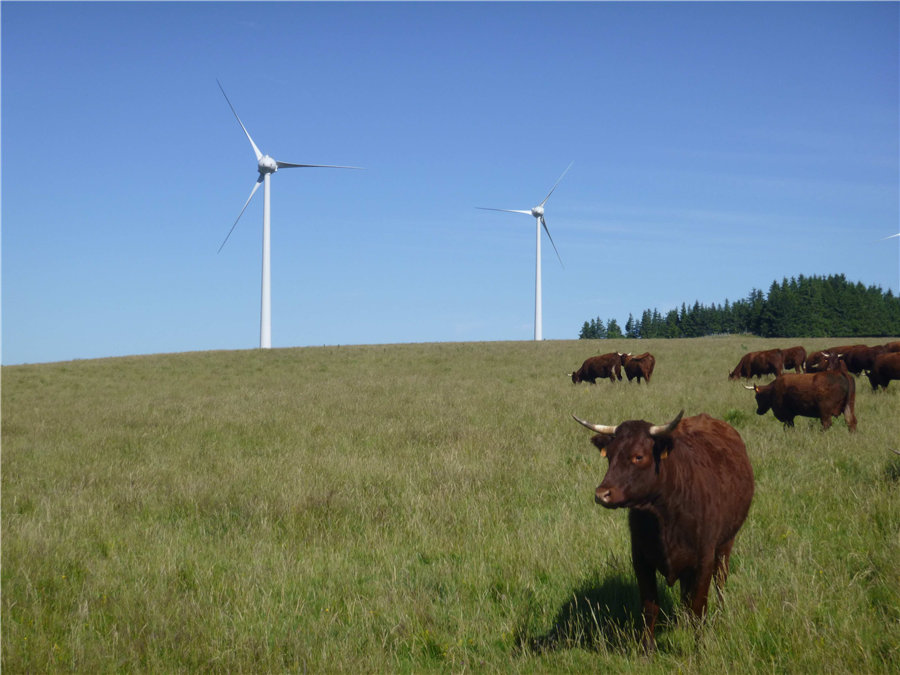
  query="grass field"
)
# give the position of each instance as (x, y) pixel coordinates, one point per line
(418, 508)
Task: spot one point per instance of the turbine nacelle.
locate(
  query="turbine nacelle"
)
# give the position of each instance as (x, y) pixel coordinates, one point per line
(538, 211)
(266, 165)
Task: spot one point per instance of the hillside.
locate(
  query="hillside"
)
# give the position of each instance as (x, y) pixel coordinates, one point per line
(417, 508)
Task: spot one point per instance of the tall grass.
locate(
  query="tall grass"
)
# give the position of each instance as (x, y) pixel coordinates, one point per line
(417, 508)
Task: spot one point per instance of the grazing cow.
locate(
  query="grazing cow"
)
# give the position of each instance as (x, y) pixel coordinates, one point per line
(892, 347)
(885, 369)
(823, 395)
(860, 357)
(757, 364)
(639, 366)
(605, 365)
(687, 486)
(794, 358)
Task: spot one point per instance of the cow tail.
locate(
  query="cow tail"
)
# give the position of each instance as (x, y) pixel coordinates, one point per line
(849, 414)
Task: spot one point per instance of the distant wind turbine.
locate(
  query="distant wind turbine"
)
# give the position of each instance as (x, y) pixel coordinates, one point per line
(891, 236)
(538, 213)
(266, 166)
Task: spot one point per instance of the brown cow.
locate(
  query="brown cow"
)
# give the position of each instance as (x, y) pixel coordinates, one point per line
(823, 395)
(757, 364)
(892, 347)
(639, 366)
(605, 365)
(687, 486)
(861, 357)
(818, 361)
(794, 358)
(885, 369)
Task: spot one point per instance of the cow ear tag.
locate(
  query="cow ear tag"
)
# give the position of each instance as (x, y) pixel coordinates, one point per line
(664, 454)
(603, 452)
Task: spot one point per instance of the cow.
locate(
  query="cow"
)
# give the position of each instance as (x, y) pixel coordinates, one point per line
(861, 357)
(757, 364)
(885, 369)
(825, 359)
(892, 347)
(823, 395)
(794, 358)
(687, 486)
(816, 362)
(639, 366)
(603, 366)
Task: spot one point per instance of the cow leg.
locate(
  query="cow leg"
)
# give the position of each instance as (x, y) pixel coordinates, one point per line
(646, 578)
(721, 570)
(695, 592)
(826, 420)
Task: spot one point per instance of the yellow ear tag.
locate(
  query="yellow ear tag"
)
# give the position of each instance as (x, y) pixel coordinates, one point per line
(664, 454)
(603, 452)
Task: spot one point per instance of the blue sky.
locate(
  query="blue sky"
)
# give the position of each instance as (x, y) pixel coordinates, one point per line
(717, 147)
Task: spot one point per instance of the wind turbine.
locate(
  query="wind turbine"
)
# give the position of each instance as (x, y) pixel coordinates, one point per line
(538, 213)
(266, 165)
(891, 236)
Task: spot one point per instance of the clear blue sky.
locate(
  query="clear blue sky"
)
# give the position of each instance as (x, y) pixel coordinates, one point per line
(717, 147)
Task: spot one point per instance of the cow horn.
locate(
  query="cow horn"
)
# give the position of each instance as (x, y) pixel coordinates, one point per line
(599, 428)
(665, 430)
(750, 386)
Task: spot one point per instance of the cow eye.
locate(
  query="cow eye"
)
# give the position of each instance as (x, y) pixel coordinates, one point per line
(637, 459)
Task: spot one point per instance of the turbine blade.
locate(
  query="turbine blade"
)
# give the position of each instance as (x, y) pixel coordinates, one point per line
(255, 149)
(891, 236)
(557, 183)
(252, 192)
(288, 165)
(487, 208)
(544, 223)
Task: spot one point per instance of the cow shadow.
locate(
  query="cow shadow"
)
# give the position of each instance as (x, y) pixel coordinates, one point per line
(599, 616)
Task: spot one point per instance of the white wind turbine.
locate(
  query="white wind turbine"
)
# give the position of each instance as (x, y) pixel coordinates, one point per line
(266, 165)
(891, 236)
(538, 213)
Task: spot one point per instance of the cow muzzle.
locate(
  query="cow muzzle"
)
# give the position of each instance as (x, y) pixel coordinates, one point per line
(605, 496)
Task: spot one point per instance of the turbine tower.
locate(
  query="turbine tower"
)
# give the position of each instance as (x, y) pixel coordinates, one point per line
(537, 213)
(891, 236)
(266, 165)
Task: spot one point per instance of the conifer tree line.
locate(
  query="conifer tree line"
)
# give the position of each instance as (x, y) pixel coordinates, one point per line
(800, 307)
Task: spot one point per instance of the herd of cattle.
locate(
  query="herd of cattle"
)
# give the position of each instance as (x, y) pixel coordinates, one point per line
(820, 387)
(688, 484)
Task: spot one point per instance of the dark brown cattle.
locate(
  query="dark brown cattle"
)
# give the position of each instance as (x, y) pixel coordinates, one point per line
(860, 357)
(757, 364)
(794, 358)
(639, 366)
(818, 362)
(885, 369)
(603, 366)
(742, 369)
(823, 395)
(687, 487)
(825, 359)
(892, 347)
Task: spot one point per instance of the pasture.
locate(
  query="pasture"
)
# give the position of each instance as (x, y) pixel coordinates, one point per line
(419, 508)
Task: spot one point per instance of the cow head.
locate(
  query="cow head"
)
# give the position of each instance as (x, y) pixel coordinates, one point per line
(635, 449)
(763, 397)
(576, 377)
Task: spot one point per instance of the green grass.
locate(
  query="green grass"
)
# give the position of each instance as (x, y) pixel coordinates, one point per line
(417, 508)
